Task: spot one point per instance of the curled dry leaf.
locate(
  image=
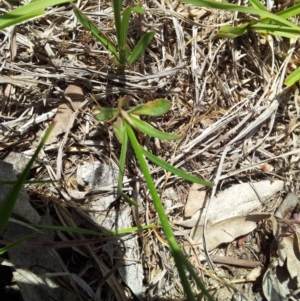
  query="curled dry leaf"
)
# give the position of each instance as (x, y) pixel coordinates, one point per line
(65, 112)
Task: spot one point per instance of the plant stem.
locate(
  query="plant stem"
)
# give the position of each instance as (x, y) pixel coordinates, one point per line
(117, 6)
(174, 246)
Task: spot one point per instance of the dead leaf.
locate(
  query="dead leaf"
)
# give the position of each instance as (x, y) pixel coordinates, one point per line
(286, 208)
(65, 112)
(291, 125)
(75, 93)
(238, 200)
(195, 200)
(13, 44)
(227, 230)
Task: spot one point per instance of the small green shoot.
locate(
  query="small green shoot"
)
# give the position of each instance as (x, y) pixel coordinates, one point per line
(126, 122)
(276, 24)
(121, 51)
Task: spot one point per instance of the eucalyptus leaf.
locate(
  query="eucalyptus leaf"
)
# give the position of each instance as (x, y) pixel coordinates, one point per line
(150, 130)
(154, 108)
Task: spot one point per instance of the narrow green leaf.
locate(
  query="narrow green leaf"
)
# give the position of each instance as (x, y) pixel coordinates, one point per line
(258, 5)
(19, 241)
(141, 47)
(28, 11)
(125, 24)
(117, 6)
(91, 232)
(262, 28)
(293, 78)
(124, 28)
(122, 160)
(129, 200)
(8, 203)
(232, 32)
(289, 12)
(174, 246)
(105, 114)
(175, 170)
(275, 29)
(88, 25)
(242, 9)
(154, 108)
(151, 131)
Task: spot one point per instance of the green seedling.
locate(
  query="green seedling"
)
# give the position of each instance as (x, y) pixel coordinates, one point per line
(275, 24)
(127, 124)
(121, 51)
(270, 23)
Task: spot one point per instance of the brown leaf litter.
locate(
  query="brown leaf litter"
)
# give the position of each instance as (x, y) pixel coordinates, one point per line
(228, 102)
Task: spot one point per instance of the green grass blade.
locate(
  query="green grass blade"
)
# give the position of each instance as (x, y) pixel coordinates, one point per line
(7, 205)
(88, 25)
(293, 78)
(150, 130)
(175, 170)
(91, 232)
(153, 108)
(27, 12)
(124, 28)
(19, 241)
(289, 12)
(129, 200)
(141, 47)
(122, 160)
(262, 28)
(258, 5)
(242, 9)
(117, 7)
(275, 29)
(232, 32)
(174, 246)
